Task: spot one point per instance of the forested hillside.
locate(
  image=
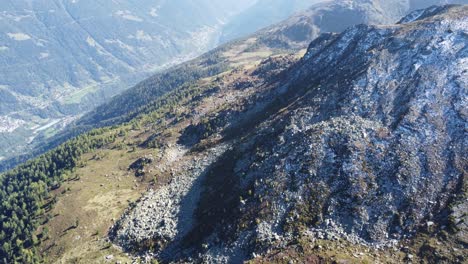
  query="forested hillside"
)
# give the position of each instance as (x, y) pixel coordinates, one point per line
(26, 194)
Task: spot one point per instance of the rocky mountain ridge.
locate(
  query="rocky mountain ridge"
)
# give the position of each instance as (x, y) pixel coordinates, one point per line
(336, 16)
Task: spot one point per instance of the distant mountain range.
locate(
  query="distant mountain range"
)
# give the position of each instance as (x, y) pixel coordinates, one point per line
(262, 14)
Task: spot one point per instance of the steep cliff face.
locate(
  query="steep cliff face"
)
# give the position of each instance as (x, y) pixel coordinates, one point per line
(363, 140)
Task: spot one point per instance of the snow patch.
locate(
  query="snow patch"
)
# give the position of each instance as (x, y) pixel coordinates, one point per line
(19, 36)
(43, 55)
(91, 42)
(126, 14)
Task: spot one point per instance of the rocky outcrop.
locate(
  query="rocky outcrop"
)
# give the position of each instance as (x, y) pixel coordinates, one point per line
(161, 217)
(138, 166)
(375, 148)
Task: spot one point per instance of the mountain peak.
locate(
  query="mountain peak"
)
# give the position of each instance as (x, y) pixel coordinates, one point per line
(430, 12)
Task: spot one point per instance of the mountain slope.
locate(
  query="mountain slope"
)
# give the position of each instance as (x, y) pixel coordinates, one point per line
(336, 16)
(353, 153)
(130, 103)
(40, 186)
(294, 33)
(363, 140)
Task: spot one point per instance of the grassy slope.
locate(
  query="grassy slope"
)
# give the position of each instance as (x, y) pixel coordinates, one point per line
(103, 192)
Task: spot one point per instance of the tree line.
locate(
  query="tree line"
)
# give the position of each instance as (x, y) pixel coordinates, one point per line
(25, 194)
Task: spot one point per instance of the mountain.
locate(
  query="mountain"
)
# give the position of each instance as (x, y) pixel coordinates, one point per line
(262, 14)
(359, 143)
(30, 188)
(61, 58)
(351, 152)
(142, 97)
(328, 15)
(324, 16)
(336, 16)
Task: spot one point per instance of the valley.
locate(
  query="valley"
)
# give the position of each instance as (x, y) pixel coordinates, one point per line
(61, 59)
